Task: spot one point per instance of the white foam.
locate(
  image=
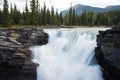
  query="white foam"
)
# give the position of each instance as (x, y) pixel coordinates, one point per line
(69, 55)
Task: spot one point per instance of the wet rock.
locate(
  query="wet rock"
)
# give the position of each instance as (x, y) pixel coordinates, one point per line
(15, 56)
(108, 53)
(39, 39)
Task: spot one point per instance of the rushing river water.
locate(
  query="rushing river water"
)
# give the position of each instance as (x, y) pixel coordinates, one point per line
(69, 55)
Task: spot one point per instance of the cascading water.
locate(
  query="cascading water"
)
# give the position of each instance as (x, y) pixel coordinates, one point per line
(69, 55)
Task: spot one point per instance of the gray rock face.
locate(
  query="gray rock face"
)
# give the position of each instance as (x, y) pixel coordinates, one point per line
(15, 56)
(108, 53)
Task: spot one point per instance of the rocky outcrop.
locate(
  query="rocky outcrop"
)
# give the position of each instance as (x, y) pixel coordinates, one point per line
(15, 56)
(108, 53)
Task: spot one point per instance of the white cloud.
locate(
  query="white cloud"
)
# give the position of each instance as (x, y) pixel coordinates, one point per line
(64, 4)
(1, 2)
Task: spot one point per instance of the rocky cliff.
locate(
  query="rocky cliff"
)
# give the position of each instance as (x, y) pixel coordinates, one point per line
(15, 56)
(108, 53)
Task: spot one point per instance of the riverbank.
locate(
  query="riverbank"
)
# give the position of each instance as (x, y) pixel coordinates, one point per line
(53, 26)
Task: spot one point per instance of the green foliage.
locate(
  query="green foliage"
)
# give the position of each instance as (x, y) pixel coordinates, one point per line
(88, 18)
(37, 15)
(1, 17)
(70, 15)
(6, 18)
(48, 16)
(66, 19)
(26, 15)
(34, 11)
(61, 18)
(52, 18)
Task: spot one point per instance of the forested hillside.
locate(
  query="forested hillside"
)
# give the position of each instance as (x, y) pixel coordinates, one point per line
(37, 15)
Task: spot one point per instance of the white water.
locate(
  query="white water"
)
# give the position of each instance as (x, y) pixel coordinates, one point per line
(69, 55)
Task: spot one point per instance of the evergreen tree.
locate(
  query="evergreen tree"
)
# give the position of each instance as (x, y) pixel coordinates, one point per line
(16, 15)
(39, 16)
(48, 16)
(26, 15)
(6, 21)
(61, 18)
(70, 15)
(73, 17)
(34, 11)
(66, 19)
(57, 18)
(1, 17)
(12, 14)
(92, 18)
(52, 16)
(44, 15)
(84, 18)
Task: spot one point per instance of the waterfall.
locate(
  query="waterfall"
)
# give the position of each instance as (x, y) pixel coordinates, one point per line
(69, 55)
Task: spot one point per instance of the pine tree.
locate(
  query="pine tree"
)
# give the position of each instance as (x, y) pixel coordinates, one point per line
(73, 17)
(61, 18)
(92, 18)
(84, 18)
(57, 18)
(11, 14)
(48, 16)
(1, 17)
(44, 14)
(6, 21)
(70, 15)
(16, 15)
(66, 19)
(39, 16)
(27, 18)
(34, 11)
(52, 16)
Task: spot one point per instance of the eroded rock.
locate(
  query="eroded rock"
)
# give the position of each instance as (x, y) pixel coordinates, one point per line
(15, 56)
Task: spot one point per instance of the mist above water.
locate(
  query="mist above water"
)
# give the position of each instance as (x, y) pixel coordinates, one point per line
(69, 55)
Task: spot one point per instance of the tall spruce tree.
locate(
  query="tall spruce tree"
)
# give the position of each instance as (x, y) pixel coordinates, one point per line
(16, 15)
(73, 17)
(44, 14)
(34, 10)
(52, 21)
(48, 16)
(12, 14)
(61, 18)
(27, 16)
(70, 15)
(57, 18)
(1, 17)
(6, 21)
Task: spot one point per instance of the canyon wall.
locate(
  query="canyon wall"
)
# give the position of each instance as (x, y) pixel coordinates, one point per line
(108, 53)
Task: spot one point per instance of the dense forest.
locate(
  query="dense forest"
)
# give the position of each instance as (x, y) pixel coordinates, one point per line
(38, 15)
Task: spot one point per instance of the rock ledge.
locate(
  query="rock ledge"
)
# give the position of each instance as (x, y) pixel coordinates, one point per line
(108, 53)
(15, 56)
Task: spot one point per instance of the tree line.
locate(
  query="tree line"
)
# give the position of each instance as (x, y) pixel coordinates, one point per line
(89, 18)
(37, 15)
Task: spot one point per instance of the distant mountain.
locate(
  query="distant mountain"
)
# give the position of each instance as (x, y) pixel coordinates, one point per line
(79, 9)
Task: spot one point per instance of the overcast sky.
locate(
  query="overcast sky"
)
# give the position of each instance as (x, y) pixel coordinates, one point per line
(64, 4)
